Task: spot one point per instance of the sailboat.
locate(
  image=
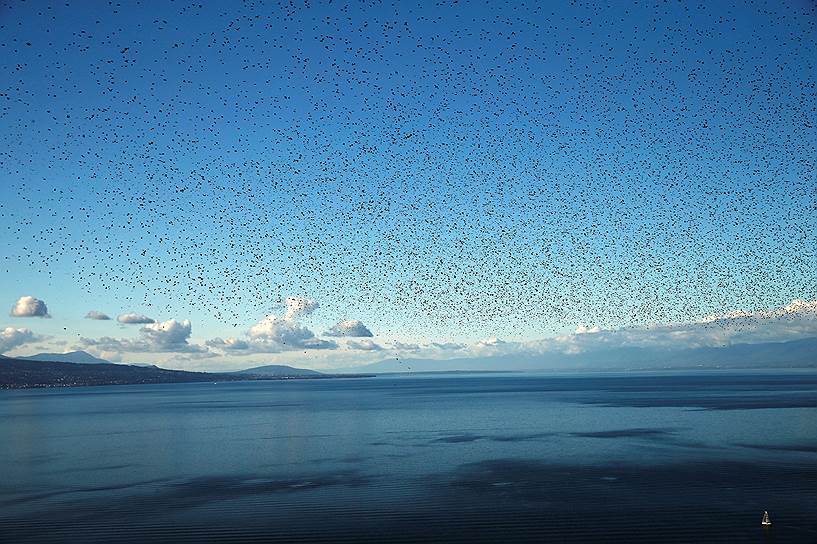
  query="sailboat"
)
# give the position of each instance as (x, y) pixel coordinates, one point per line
(765, 521)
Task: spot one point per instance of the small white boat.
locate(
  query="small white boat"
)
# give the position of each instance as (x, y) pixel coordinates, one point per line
(765, 521)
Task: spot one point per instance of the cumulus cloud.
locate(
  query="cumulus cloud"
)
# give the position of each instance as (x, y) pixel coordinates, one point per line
(274, 334)
(363, 345)
(99, 316)
(29, 306)
(168, 336)
(133, 318)
(350, 328)
(279, 329)
(11, 338)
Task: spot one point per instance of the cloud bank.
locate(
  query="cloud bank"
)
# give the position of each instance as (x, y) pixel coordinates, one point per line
(167, 337)
(274, 334)
(795, 320)
(11, 338)
(277, 334)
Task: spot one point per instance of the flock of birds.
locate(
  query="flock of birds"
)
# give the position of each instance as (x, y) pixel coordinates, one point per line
(462, 166)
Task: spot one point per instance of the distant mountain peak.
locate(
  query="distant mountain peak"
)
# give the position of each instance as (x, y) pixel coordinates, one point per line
(70, 357)
(278, 370)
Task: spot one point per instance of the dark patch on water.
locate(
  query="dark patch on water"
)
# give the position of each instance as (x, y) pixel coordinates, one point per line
(805, 448)
(467, 437)
(152, 498)
(30, 497)
(633, 489)
(459, 438)
(727, 391)
(627, 433)
(710, 403)
(95, 468)
(523, 437)
(662, 434)
(205, 489)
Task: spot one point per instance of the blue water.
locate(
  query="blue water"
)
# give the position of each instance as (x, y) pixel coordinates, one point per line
(466, 458)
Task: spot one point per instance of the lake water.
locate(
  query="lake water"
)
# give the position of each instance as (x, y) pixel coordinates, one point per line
(461, 458)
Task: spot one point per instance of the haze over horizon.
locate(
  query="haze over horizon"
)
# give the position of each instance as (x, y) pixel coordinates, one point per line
(328, 184)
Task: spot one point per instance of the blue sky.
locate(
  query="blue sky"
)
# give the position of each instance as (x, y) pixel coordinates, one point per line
(443, 173)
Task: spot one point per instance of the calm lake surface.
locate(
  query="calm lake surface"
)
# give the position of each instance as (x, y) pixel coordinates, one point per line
(465, 458)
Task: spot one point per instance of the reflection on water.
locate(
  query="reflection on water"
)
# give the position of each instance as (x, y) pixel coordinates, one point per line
(516, 457)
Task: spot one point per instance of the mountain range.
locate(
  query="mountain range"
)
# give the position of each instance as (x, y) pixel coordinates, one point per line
(82, 357)
(21, 373)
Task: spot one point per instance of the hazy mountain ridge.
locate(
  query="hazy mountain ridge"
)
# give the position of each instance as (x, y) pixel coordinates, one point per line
(82, 357)
(278, 370)
(18, 373)
(795, 353)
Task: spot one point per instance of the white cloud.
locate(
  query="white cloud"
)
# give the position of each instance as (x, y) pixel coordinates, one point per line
(11, 338)
(352, 328)
(133, 318)
(99, 316)
(363, 345)
(29, 306)
(280, 330)
(169, 336)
